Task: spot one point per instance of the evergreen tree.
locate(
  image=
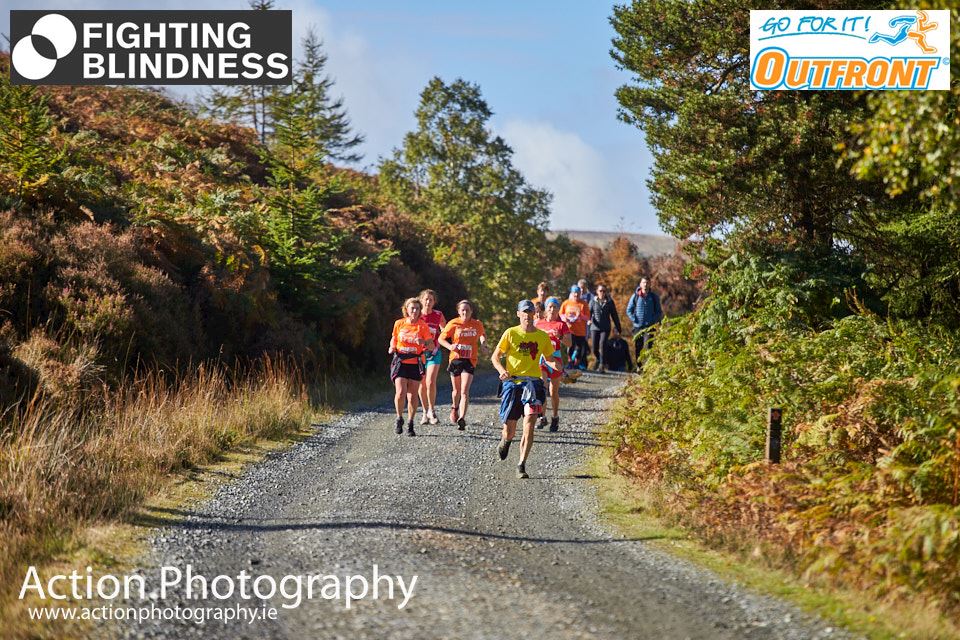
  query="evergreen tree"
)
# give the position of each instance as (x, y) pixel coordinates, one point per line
(755, 167)
(910, 140)
(246, 105)
(310, 126)
(27, 154)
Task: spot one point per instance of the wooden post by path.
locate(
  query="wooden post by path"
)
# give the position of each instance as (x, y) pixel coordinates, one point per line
(774, 432)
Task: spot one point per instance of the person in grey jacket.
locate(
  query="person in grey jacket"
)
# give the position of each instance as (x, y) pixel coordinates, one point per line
(604, 323)
(645, 312)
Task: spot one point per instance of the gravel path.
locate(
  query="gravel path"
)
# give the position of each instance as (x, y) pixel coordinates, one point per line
(495, 556)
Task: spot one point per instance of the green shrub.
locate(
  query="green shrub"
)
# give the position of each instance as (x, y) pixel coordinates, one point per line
(871, 463)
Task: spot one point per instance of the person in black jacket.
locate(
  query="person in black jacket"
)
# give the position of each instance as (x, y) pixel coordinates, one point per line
(602, 312)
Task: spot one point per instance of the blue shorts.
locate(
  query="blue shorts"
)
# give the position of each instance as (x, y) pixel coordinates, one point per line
(518, 392)
(435, 360)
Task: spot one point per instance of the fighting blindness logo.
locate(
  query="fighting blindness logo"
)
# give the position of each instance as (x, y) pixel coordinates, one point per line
(151, 47)
(850, 50)
(52, 37)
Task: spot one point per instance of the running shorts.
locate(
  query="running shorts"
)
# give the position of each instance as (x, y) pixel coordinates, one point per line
(517, 393)
(460, 366)
(408, 370)
(435, 360)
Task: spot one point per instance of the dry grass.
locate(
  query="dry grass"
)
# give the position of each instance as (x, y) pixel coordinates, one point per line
(66, 464)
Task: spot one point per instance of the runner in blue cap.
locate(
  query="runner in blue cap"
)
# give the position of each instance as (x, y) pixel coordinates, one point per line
(524, 347)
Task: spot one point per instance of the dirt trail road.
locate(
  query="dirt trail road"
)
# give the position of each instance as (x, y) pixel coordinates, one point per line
(495, 556)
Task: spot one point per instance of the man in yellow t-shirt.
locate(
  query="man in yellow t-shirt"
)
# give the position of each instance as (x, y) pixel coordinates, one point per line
(524, 347)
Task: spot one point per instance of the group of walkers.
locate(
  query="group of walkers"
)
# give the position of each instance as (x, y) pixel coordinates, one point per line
(549, 346)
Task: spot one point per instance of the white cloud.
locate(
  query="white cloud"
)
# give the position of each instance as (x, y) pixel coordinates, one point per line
(380, 91)
(592, 190)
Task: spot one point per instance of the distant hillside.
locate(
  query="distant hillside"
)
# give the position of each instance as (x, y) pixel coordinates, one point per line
(647, 244)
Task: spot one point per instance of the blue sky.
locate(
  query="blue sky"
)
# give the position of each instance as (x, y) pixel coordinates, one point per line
(543, 67)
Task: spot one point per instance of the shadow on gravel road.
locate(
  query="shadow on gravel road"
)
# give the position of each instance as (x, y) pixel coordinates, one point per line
(541, 438)
(178, 518)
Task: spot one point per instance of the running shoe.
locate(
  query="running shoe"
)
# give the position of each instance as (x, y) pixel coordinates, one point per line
(433, 416)
(410, 431)
(424, 418)
(554, 423)
(461, 424)
(522, 470)
(453, 415)
(541, 422)
(504, 448)
(399, 428)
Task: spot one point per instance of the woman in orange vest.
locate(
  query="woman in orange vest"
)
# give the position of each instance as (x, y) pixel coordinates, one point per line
(462, 336)
(575, 312)
(411, 338)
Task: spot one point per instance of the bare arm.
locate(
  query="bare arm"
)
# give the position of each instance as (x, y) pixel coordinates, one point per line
(552, 362)
(495, 360)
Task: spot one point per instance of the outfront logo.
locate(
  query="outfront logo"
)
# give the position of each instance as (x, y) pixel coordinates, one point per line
(850, 50)
(151, 47)
(34, 56)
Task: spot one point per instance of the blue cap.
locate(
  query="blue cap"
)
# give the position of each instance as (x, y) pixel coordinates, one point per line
(552, 300)
(526, 305)
(575, 288)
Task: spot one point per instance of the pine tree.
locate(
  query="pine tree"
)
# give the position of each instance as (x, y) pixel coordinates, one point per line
(310, 126)
(27, 154)
(246, 105)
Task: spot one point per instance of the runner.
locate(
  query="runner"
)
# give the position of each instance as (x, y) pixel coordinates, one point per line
(411, 337)
(559, 334)
(462, 336)
(428, 390)
(587, 298)
(575, 312)
(525, 347)
(543, 292)
(585, 294)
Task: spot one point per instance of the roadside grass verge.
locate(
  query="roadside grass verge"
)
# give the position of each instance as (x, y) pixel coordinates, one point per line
(76, 476)
(636, 510)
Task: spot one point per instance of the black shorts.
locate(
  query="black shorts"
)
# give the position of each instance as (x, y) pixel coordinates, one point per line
(461, 366)
(410, 371)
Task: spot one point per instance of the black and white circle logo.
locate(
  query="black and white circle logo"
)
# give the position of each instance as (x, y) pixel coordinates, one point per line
(52, 37)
